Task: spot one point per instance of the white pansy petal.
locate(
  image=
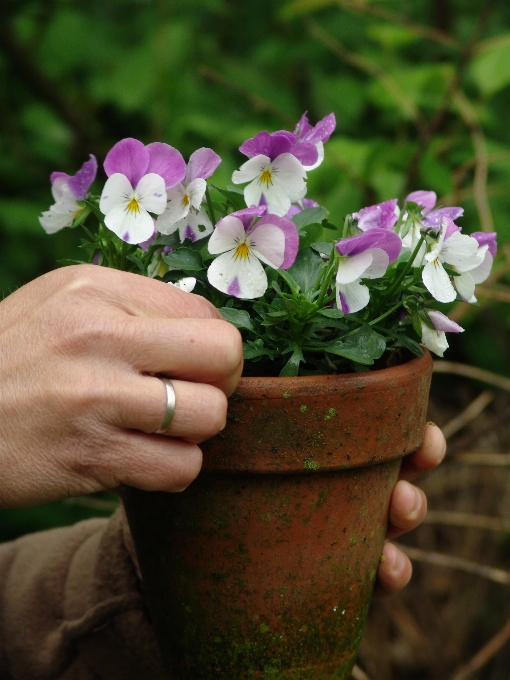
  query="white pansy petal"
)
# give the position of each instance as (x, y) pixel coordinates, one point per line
(433, 340)
(151, 193)
(195, 226)
(465, 286)
(252, 169)
(196, 191)
(116, 191)
(229, 231)
(437, 282)
(277, 199)
(289, 174)
(268, 244)
(52, 221)
(187, 284)
(242, 277)
(169, 221)
(352, 297)
(352, 268)
(132, 226)
(252, 193)
(461, 251)
(379, 265)
(481, 273)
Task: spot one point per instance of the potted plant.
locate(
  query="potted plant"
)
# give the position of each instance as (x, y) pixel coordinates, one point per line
(264, 566)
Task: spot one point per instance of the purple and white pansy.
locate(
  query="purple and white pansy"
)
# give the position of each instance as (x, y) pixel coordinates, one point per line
(243, 240)
(138, 178)
(67, 190)
(364, 256)
(276, 178)
(435, 339)
(379, 216)
(313, 134)
(461, 252)
(184, 211)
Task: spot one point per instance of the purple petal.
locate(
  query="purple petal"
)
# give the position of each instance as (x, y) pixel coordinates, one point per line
(129, 157)
(249, 215)
(489, 239)
(451, 227)
(202, 163)
(374, 238)
(79, 184)
(322, 131)
(291, 237)
(427, 199)
(344, 304)
(189, 233)
(166, 162)
(379, 216)
(271, 145)
(433, 219)
(443, 323)
(303, 126)
(234, 288)
(306, 153)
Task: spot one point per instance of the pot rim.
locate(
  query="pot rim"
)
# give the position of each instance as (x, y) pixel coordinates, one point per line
(271, 387)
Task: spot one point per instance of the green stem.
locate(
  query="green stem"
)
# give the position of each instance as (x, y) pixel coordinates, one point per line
(123, 253)
(406, 269)
(210, 206)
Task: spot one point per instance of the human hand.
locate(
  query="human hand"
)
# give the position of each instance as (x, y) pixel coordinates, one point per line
(408, 507)
(77, 401)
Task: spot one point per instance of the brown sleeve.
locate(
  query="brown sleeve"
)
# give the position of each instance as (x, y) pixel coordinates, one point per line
(71, 607)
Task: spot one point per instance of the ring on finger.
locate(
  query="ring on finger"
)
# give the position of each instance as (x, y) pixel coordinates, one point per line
(170, 406)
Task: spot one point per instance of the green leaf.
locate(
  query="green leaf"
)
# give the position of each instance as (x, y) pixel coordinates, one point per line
(137, 262)
(491, 68)
(323, 247)
(410, 344)
(364, 346)
(235, 198)
(237, 317)
(252, 349)
(308, 234)
(332, 313)
(309, 216)
(185, 259)
(291, 368)
(306, 269)
(289, 280)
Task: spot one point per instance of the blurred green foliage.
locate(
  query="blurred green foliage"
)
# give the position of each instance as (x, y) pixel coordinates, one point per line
(420, 89)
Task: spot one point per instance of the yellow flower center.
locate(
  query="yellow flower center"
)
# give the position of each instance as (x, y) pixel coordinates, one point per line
(133, 205)
(243, 251)
(185, 200)
(266, 177)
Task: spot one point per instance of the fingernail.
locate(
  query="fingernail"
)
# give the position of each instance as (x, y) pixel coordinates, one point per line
(413, 514)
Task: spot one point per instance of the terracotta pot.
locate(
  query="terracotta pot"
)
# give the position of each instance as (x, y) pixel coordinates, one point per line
(264, 566)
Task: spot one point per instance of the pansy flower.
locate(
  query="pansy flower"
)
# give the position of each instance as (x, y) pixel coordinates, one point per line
(465, 283)
(365, 256)
(455, 249)
(245, 239)
(184, 209)
(435, 339)
(315, 135)
(276, 178)
(138, 177)
(433, 216)
(67, 190)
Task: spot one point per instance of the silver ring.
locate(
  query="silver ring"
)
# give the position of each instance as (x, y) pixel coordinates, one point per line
(170, 406)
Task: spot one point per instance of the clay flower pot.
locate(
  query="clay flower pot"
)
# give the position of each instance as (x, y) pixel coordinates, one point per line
(264, 566)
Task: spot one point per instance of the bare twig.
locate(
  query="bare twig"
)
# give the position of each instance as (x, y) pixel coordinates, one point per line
(485, 654)
(259, 103)
(470, 118)
(468, 414)
(473, 372)
(452, 562)
(367, 66)
(483, 458)
(466, 519)
(462, 170)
